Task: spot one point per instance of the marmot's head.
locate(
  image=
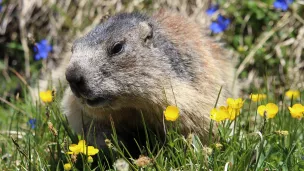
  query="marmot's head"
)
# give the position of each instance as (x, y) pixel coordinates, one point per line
(125, 58)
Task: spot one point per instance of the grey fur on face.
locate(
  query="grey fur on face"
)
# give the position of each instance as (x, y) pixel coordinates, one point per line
(121, 56)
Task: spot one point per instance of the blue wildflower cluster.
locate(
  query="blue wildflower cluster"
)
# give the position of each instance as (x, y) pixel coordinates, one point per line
(221, 24)
(32, 123)
(212, 9)
(42, 49)
(282, 4)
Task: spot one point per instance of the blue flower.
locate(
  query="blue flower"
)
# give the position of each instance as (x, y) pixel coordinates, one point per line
(220, 25)
(0, 5)
(32, 123)
(42, 49)
(212, 9)
(282, 4)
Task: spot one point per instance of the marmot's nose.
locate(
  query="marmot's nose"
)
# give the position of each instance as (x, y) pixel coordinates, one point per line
(75, 78)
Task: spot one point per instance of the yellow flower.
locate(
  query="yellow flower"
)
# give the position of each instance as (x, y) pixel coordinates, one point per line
(296, 111)
(270, 110)
(233, 113)
(81, 147)
(219, 114)
(230, 112)
(46, 96)
(234, 107)
(67, 166)
(90, 159)
(235, 103)
(171, 113)
(292, 94)
(257, 97)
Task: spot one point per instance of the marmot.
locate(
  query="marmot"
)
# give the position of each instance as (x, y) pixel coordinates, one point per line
(133, 65)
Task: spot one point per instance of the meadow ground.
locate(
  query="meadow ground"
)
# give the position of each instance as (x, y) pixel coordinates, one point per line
(261, 131)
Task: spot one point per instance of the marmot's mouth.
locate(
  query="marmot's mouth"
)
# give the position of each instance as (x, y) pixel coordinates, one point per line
(98, 102)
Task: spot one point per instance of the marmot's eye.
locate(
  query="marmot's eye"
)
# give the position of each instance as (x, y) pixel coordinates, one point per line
(117, 48)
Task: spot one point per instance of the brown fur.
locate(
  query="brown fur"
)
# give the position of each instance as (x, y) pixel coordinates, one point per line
(194, 99)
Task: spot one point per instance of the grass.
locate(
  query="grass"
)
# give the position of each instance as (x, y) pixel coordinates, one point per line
(249, 142)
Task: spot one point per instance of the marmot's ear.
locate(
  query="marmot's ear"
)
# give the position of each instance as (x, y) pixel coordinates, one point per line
(146, 31)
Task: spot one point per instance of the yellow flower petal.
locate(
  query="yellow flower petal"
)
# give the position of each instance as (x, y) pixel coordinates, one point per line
(296, 111)
(292, 94)
(262, 110)
(46, 96)
(219, 114)
(233, 113)
(257, 97)
(91, 151)
(75, 149)
(235, 103)
(82, 143)
(270, 110)
(171, 113)
(81, 147)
